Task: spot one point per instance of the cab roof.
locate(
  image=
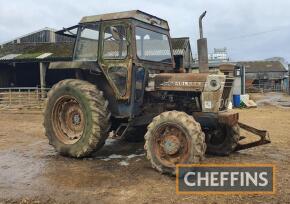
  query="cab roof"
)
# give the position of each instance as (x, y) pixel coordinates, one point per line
(134, 14)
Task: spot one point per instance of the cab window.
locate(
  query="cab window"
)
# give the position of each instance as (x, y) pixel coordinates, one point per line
(87, 42)
(152, 46)
(115, 43)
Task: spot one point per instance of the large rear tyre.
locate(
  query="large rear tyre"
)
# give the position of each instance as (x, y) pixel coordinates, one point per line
(174, 138)
(76, 118)
(224, 141)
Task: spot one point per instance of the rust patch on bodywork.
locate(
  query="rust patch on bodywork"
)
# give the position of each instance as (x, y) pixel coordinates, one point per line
(134, 14)
(229, 118)
(180, 81)
(227, 67)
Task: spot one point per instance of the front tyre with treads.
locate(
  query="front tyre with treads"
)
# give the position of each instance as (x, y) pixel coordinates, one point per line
(174, 138)
(76, 118)
(224, 141)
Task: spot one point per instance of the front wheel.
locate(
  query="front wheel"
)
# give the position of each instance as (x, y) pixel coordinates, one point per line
(224, 140)
(174, 138)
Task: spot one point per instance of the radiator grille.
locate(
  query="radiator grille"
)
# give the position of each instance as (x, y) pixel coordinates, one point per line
(227, 93)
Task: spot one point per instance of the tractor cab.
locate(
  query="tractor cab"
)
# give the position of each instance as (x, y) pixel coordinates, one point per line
(122, 44)
(133, 55)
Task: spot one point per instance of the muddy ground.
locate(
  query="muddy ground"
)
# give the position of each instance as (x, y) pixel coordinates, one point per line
(32, 172)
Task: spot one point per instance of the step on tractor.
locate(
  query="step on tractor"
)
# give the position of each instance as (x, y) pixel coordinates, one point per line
(122, 79)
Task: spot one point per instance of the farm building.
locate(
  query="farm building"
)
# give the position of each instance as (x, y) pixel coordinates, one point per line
(23, 65)
(288, 80)
(20, 64)
(23, 58)
(24, 76)
(265, 75)
(45, 35)
(182, 53)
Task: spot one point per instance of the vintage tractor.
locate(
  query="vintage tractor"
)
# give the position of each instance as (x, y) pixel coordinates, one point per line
(122, 80)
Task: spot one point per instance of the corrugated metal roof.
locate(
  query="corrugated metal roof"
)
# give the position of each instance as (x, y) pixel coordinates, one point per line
(36, 52)
(179, 45)
(28, 34)
(213, 65)
(9, 56)
(45, 55)
(263, 66)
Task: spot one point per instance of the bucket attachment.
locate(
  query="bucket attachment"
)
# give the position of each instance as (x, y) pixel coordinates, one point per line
(263, 134)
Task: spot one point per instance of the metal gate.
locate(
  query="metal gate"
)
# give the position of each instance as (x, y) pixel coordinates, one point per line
(22, 97)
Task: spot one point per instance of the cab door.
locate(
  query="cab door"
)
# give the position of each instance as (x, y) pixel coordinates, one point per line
(116, 57)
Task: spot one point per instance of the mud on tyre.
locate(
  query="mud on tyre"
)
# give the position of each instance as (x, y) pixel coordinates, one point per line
(174, 138)
(76, 118)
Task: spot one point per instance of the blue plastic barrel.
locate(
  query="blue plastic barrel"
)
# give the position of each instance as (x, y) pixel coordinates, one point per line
(237, 100)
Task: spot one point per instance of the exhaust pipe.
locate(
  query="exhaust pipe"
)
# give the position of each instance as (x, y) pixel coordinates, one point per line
(202, 48)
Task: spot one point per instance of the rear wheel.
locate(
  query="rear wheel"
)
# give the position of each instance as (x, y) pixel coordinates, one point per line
(174, 138)
(224, 140)
(76, 119)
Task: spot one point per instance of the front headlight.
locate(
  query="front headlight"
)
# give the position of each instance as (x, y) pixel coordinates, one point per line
(213, 83)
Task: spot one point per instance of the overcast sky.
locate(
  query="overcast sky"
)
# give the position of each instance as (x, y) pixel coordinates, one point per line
(250, 29)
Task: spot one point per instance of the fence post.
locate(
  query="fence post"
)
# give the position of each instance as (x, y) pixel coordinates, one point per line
(42, 70)
(29, 96)
(10, 97)
(288, 79)
(37, 96)
(19, 97)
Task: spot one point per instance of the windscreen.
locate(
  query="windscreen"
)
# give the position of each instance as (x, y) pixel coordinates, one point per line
(152, 46)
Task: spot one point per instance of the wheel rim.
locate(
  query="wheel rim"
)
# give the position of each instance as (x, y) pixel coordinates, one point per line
(171, 145)
(68, 120)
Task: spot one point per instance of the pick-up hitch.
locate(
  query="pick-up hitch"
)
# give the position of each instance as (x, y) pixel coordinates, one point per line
(263, 134)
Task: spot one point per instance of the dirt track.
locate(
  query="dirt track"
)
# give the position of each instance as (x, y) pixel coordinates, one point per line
(31, 171)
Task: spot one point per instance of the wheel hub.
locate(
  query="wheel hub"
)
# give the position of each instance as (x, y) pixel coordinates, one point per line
(68, 120)
(171, 144)
(76, 119)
